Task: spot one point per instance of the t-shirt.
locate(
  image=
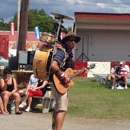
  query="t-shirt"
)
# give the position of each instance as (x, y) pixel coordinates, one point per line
(117, 71)
(32, 81)
(127, 68)
(40, 82)
(113, 70)
(123, 71)
(60, 55)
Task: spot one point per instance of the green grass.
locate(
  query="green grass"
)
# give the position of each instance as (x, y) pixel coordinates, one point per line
(93, 100)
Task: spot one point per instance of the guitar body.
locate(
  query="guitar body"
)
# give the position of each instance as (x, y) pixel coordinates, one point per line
(62, 88)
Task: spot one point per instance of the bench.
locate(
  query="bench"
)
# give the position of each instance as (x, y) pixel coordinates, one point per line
(47, 102)
(102, 78)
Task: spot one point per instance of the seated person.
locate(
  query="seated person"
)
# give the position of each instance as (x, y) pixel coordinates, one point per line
(112, 71)
(127, 68)
(9, 90)
(32, 82)
(2, 107)
(38, 90)
(120, 74)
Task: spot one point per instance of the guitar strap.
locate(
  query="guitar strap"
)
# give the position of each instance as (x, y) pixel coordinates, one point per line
(66, 56)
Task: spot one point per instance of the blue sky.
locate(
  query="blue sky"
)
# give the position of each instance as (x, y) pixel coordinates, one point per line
(66, 7)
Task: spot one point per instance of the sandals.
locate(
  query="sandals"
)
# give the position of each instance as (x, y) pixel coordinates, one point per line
(5, 113)
(18, 112)
(53, 126)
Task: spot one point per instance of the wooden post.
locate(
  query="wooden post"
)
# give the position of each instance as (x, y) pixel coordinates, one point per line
(22, 28)
(18, 21)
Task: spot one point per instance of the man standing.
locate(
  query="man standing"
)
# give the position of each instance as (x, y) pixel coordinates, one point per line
(61, 100)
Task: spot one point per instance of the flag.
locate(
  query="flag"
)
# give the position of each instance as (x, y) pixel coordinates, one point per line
(37, 32)
(12, 30)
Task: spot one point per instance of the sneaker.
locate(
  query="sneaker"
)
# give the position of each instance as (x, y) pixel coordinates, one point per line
(23, 104)
(13, 108)
(28, 109)
(120, 87)
(112, 87)
(126, 87)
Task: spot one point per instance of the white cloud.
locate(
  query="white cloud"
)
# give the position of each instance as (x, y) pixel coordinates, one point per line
(101, 5)
(66, 7)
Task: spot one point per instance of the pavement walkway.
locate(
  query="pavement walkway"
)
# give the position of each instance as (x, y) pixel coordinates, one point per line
(39, 121)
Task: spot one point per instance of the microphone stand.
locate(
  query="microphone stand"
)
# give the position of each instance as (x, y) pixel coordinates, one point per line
(54, 47)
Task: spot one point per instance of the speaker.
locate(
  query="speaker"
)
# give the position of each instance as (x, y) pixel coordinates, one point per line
(30, 57)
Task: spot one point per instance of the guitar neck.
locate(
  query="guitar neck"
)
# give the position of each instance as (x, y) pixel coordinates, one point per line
(77, 73)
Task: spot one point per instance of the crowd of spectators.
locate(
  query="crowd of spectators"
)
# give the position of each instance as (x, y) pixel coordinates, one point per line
(9, 91)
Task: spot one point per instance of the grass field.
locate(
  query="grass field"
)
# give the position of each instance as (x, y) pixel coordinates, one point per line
(93, 100)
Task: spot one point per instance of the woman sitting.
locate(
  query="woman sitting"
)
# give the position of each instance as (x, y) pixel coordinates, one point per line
(2, 108)
(9, 90)
(38, 90)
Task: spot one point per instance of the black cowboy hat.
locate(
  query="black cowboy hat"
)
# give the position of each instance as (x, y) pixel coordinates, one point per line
(77, 38)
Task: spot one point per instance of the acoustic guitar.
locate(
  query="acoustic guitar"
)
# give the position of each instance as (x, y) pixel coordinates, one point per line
(62, 87)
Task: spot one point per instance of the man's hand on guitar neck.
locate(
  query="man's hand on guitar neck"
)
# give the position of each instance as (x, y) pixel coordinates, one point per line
(85, 70)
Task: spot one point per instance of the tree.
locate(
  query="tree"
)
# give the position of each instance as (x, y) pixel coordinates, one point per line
(37, 18)
(69, 29)
(4, 25)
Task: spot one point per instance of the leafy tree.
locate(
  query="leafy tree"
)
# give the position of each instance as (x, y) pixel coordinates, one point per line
(69, 29)
(4, 25)
(37, 18)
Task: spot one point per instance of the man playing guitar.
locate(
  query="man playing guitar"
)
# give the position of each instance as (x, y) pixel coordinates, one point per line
(61, 99)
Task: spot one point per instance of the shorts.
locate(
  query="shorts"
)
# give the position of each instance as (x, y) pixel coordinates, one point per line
(61, 100)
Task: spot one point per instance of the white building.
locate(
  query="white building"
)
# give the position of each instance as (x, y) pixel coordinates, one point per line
(104, 37)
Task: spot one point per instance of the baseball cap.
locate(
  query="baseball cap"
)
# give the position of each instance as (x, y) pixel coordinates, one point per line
(121, 63)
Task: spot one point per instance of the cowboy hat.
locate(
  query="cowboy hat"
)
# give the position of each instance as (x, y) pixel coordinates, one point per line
(77, 38)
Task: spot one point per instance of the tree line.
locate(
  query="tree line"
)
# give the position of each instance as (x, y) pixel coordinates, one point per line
(35, 18)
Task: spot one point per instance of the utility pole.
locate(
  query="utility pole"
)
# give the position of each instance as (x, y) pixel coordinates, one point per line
(18, 21)
(23, 27)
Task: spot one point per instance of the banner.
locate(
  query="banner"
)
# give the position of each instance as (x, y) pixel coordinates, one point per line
(12, 30)
(4, 46)
(78, 65)
(37, 32)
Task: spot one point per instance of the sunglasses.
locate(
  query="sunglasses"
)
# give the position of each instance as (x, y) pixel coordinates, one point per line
(72, 40)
